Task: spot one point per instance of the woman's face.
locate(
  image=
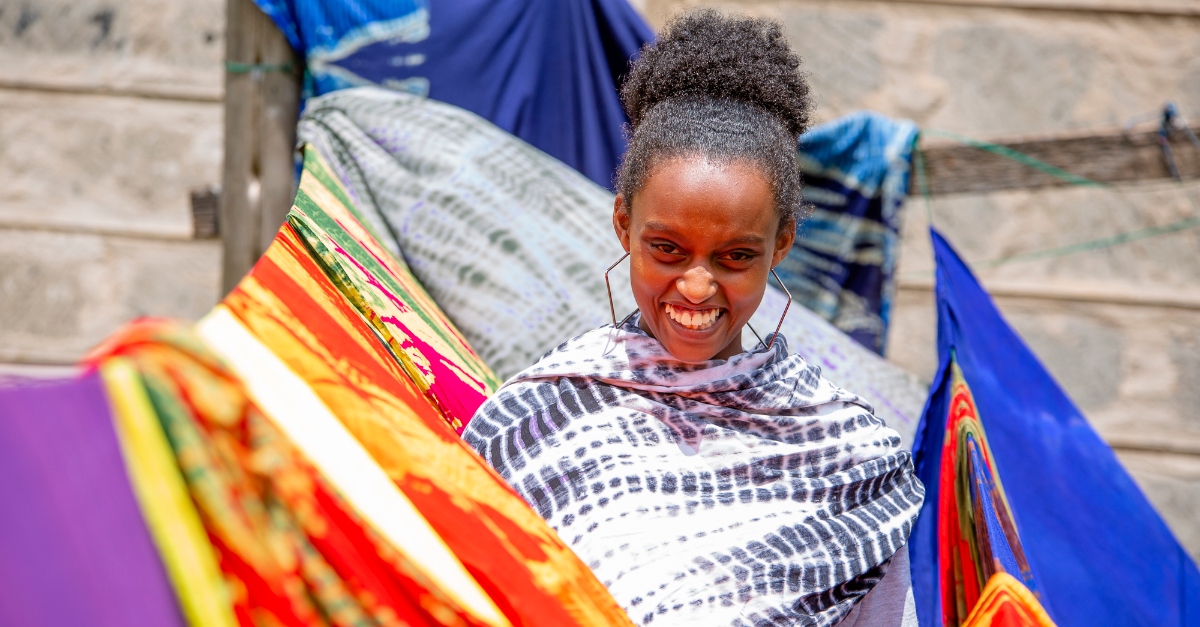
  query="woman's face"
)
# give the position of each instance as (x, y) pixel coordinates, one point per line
(702, 238)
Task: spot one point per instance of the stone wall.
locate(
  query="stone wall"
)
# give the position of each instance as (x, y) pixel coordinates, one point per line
(1120, 327)
(110, 112)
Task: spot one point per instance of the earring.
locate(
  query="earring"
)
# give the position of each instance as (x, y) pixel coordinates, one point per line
(612, 308)
(778, 326)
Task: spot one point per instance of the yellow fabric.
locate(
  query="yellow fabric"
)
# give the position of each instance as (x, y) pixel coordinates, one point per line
(163, 498)
(306, 420)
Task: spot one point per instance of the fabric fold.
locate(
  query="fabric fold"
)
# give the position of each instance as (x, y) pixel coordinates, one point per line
(292, 549)
(293, 305)
(163, 496)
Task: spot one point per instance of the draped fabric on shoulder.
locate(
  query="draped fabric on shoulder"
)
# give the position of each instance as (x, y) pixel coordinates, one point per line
(730, 492)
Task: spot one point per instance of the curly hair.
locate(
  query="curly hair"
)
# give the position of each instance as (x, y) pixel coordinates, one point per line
(726, 88)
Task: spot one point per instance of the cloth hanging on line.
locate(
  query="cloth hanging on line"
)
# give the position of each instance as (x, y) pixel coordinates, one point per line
(1096, 550)
(513, 244)
(976, 532)
(293, 306)
(733, 492)
(74, 549)
(544, 70)
(842, 266)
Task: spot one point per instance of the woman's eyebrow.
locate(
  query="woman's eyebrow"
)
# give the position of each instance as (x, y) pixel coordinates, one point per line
(746, 239)
(659, 227)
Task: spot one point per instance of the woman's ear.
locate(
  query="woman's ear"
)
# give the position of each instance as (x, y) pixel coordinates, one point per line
(621, 221)
(784, 241)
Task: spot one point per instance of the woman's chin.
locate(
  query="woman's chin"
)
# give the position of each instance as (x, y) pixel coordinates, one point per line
(693, 345)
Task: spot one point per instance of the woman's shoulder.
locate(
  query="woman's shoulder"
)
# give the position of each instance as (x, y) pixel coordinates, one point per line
(890, 603)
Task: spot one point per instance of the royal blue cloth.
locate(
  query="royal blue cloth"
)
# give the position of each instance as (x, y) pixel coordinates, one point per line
(1100, 553)
(544, 70)
(856, 172)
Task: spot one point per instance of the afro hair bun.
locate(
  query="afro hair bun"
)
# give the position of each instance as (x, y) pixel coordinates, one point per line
(705, 55)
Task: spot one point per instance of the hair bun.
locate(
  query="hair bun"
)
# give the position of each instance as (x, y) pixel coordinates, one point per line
(705, 55)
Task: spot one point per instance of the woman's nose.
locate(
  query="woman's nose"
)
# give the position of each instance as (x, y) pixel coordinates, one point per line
(697, 285)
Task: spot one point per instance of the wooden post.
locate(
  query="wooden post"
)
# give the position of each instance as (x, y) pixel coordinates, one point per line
(262, 103)
(1105, 157)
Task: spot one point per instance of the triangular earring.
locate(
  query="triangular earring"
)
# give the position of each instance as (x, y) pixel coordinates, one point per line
(611, 307)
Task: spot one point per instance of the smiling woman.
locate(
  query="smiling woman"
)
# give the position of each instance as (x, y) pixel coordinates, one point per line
(701, 244)
(704, 483)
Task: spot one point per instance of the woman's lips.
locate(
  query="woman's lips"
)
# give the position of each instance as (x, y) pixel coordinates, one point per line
(693, 319)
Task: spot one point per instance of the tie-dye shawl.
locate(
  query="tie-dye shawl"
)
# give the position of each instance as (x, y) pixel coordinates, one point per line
(740, 492)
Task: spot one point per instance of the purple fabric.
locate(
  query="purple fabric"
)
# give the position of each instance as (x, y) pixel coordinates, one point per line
(74, 549)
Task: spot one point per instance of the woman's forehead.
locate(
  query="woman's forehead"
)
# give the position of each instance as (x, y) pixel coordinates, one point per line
(695, 197)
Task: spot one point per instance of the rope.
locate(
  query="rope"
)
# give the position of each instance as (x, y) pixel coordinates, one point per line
(1096, 244)
(234, 67)
(1050, 253)
(922, 177)
(1019, 157)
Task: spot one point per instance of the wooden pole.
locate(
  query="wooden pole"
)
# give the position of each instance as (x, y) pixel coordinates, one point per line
(262, 103)
(1107, 157)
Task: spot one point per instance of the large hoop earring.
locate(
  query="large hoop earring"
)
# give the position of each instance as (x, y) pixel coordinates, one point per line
(612, 308)
(778, 326)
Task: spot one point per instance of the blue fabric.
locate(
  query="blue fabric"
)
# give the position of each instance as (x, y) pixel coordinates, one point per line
(856, 177)
(544, 70)
(1100, 553)
(982, 490)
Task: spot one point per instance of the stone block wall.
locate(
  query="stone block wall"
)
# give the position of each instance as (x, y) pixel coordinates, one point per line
(110, 112)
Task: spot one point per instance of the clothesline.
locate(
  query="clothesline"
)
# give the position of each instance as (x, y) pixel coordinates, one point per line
(1073, 179)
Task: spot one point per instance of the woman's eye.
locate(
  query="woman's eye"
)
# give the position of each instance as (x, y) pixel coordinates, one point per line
(737, 256)
(667, 249)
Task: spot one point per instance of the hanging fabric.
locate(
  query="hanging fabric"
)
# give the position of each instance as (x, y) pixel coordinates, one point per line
(1037, 495)
(546, 71)
(842, 266)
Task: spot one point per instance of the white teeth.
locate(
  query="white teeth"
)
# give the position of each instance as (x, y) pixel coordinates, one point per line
(695, 320)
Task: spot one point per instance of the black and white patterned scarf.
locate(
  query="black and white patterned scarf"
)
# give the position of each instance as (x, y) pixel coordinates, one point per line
(747, 492)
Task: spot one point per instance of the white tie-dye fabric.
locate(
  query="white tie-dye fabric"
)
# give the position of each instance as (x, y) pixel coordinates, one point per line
(742, 492)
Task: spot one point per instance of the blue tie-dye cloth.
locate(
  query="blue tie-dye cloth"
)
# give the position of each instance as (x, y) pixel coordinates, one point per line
(544, 70)
(856, 176)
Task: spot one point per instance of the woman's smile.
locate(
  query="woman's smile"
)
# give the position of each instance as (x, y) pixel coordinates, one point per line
(693, 319)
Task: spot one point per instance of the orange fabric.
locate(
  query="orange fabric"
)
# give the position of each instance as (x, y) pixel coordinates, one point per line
(291, 551)
(1005, 602)
(291, 305)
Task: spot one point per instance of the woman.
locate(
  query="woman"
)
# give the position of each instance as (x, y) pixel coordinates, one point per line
(702, 482)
